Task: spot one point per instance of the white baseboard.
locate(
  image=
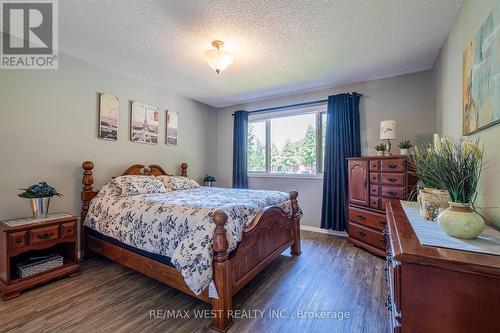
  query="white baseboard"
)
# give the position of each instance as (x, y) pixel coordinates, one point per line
(323, 231)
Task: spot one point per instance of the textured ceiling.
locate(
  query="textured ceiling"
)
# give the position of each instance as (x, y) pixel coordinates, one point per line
(280, 47)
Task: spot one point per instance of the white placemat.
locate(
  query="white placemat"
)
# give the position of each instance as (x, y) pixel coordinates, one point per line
(30, 220)
(429, 233)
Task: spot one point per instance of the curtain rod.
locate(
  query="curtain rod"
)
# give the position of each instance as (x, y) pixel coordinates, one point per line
(291, 106)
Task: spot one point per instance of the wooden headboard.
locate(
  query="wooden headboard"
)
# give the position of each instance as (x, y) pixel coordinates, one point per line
(88, 192)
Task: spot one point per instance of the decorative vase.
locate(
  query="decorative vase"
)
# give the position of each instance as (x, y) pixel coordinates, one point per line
(461, 221)
(432, 202)
(40, 207)
(380, 153)
(404, 151)
(208, 184)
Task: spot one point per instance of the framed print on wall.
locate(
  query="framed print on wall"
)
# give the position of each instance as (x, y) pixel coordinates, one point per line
(172, 128)
(108, 117)
(144, 123)
(481, 69)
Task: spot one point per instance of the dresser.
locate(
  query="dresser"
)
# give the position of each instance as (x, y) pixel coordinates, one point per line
(372, 181)
(24, 239)
(438, 289)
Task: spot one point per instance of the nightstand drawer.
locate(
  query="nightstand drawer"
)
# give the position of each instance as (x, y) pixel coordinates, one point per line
(68, 229)
(46, 234)
(18, 239)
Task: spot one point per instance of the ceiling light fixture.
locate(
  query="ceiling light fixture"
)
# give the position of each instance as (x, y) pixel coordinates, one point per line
(217, 58)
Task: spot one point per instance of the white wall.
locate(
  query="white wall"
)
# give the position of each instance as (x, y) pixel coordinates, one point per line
(407, 99)
(447, 76)
(49, 126)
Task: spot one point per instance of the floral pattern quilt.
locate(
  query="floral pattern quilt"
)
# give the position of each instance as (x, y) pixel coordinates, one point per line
(178, 224)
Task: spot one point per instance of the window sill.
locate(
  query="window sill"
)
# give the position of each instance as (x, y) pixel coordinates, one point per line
(266, 175)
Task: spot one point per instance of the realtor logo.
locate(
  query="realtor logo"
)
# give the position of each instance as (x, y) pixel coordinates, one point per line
(29, 34)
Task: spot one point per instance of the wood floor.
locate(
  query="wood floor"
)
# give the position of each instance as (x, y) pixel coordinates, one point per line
(330, 276)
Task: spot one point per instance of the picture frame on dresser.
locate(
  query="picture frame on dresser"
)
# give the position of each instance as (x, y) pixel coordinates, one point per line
(371, 182)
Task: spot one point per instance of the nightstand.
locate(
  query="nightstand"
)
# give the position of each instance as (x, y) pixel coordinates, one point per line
(26, 238)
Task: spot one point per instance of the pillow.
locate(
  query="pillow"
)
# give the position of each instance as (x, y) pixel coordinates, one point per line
(167, 182)
(183, 183)
(134, 185)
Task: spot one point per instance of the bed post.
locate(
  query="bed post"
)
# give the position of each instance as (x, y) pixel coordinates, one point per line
(295, 249)
(87, 195)
(223, 305)
(184, 167)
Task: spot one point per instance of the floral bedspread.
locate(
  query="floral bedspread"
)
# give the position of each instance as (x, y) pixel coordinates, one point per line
(178, 224)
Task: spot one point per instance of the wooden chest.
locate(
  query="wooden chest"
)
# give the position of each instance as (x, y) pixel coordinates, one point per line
(372, 181)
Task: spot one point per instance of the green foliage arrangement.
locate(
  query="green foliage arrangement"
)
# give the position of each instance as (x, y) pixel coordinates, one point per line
(40, 190)
(405, 144)
(380, 147)
(452, 165)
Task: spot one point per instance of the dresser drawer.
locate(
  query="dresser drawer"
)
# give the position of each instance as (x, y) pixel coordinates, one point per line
(375, 202)
(393, 164)
(394, 192)
(46, 234)
(18, 239)
(68, 229)
(374, 177)
(396, 178)
(374, 190)
(366, 235)
(374, 165)
(369, 219)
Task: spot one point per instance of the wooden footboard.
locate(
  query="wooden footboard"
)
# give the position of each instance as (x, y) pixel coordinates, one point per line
(271, 232)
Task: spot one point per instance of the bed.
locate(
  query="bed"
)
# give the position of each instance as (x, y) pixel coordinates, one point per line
(206, 242)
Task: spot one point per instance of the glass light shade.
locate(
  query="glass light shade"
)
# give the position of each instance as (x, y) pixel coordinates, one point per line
(388, 130)
(219, 60)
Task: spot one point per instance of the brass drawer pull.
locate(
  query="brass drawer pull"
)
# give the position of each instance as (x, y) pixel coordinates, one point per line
(18, 241)
(392, 193)
(392, 179)
(392, 166)
(361, 217)
(45, 236)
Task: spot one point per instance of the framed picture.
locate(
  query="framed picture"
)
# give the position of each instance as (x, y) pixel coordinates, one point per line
(481, 84)
(172, 128)
(108, 117)
(144, 123)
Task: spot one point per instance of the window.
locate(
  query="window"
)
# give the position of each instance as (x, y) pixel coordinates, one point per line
(287, 143)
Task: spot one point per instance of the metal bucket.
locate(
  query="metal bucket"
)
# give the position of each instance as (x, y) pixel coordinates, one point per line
(40, 207)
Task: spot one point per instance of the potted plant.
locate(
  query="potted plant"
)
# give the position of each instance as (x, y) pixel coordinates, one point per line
(459, 164)
(432, 196)
(380, 148)
(40, 195)
(209, 180)
(405, 146)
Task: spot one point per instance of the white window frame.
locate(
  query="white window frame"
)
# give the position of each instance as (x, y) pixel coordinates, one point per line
(318, 110)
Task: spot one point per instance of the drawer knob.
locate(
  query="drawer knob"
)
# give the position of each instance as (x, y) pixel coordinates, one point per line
(361, 217)
(18, 241)
(46, 235)
(361, 233)
(392, 166)
(392, 193)
(392, 179)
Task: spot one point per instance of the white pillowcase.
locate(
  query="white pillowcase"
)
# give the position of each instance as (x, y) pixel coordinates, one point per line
(167, 182)
(183, 183)
(134, 185)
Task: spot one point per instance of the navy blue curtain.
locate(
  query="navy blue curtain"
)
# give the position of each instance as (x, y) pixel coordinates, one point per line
(240, 145)
(342, 141)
